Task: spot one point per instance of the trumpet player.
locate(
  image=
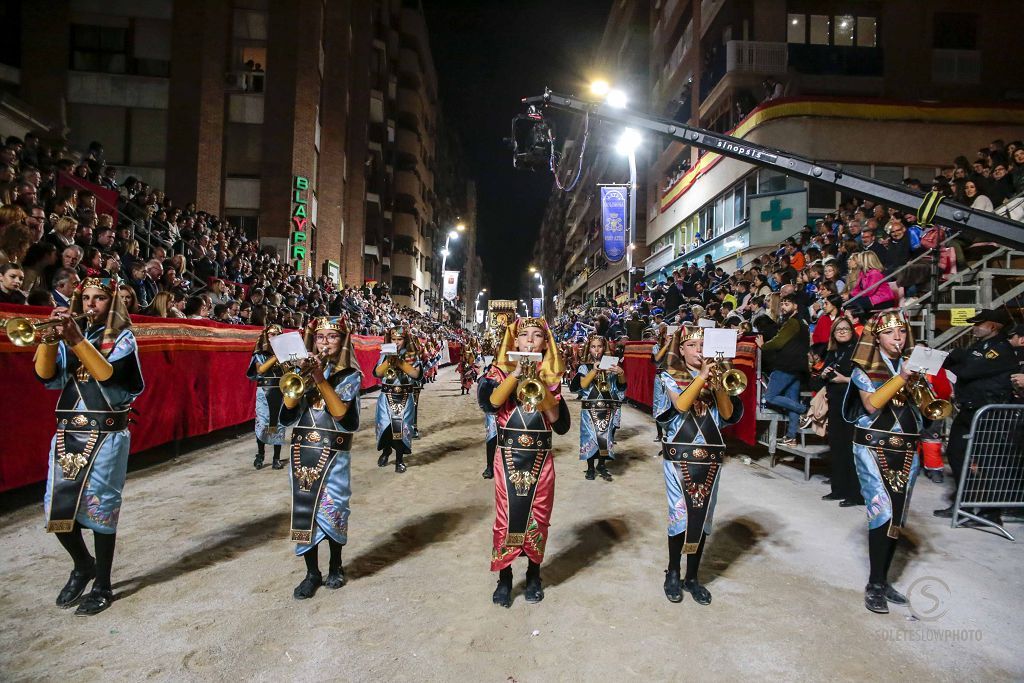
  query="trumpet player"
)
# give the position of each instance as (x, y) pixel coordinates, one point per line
(97, 370)
(396, 411)
(324, 419)
(692, 408)
(603, 392)
(527, 403)
(266, 372)
(887, 424)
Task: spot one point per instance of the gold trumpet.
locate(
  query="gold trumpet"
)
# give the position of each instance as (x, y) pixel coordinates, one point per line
(727, 377)
(602, 381)
(530, 390)
(24, 332)
(296, 383)
(931, 406)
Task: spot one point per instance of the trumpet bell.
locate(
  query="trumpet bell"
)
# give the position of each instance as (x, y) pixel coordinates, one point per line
(931, 407)
(734, 382)
(293, 385)
(530, 392)
(21, 331)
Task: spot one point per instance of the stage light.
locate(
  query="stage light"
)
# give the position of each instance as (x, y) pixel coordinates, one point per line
(617, 99)
(628, 142)
(600, 87)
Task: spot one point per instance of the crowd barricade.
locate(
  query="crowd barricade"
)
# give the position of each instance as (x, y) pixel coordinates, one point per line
(195, 384)
(993, 472)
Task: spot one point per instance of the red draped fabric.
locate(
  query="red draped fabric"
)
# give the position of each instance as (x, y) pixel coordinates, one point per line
(746, 360)
(106, 200)
(195, 384)
(640, 372)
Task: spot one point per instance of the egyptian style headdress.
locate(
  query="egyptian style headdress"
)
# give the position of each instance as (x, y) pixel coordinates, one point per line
(551, 367)
(117, 315)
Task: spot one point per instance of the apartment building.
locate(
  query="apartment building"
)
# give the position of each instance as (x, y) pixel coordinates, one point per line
(890, 90)
(312, 123)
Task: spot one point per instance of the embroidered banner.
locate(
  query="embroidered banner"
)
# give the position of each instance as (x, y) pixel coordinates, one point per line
(613, 221)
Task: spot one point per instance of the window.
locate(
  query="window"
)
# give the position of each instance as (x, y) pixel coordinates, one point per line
(844, 30)
(796, 29)
(738, 206)
(99, 48)
(819, 29)
(821, 196)
(867, 32)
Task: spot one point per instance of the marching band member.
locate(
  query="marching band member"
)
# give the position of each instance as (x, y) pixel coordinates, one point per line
(526, 401)
(603, 391)
(266, 372)
(879, 401)
(98, 373)
(692, 409)
(658, 353)
(467, 367)
(395, 408)
(324, 416)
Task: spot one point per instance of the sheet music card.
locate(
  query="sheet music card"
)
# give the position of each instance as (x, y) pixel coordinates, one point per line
(926, 360)
(288, 347)
(716, 340)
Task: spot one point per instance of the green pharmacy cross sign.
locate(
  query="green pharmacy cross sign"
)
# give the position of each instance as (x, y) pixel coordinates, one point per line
(776, 214)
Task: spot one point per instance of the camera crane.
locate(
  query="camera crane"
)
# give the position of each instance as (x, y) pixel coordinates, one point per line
(927, 207)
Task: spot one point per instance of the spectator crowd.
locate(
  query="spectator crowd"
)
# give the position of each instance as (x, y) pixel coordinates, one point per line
(173, 261)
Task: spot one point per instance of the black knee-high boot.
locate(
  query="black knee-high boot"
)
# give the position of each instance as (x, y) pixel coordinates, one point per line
(691, 585)
(602, 469)
(278, 463)
(878, 593)
(534, 590)
(101, 595)
(590, 469)
(673, 584)
(261, 451)
(84, 570)
(313, 579)
(492, 446)
(503, 593)
(335, 572)
(382, 461)
(400, 457)
(104, 559)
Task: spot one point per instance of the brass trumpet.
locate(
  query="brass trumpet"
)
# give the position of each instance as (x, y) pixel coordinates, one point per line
(727, 377)
(24, 332)
(295, 383)
(602, 381)
(530, 390)
(931, 407)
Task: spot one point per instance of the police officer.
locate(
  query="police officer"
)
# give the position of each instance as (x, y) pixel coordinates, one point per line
(982, 372)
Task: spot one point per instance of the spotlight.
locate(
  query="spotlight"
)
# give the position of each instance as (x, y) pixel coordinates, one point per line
(617, 99)
(600, 87)
(628, 143)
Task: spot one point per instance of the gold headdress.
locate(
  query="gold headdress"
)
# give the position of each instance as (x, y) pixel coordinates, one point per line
(117, 315)
(868, 356)
(412, 342)
(551, 368)
(674, 363)
(346, 357)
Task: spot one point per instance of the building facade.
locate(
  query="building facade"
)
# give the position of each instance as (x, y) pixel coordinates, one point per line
(312, 123)
(837, 82)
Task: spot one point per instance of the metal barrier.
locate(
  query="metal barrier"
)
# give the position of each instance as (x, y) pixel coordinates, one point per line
(993, 474)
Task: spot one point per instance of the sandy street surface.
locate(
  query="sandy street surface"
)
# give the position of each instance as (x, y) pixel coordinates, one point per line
(204, 575)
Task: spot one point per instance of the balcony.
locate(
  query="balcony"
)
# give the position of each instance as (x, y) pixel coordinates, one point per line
(956, 66)
(758, 57)
(406, 183)
(408, 144)
(405, 224)
(404, 265)
(411, 104)
(409, 65)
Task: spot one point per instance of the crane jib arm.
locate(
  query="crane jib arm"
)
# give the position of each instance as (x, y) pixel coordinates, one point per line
(947, 213)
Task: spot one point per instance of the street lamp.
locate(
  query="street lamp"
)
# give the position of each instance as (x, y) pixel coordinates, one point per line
(476, 306)
(541, 278)
(452, 235)
(627, 145)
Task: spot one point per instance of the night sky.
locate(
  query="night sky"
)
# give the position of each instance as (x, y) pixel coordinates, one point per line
(488, 55)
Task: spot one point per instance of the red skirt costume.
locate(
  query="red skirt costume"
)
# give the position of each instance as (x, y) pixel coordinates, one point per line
(524, 471)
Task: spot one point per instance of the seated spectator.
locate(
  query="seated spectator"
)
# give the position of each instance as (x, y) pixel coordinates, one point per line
(869, 292)
(127, 295)
(11, 277)
(789, 349)
(65, 282)
(40, 297)
(14, 242)
(40, 259)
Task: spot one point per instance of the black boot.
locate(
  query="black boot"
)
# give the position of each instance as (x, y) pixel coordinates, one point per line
(602, 470)
(492, 446)
(261, 451)
(673, 586)
(874, 598)
(95, 602)
(701, 595)
(307, 588)
(382, 461)
(277, 463)
(534, 591)
(503, 593)
(335, 572)
(894, 596)
(590, 474)
(73, 589)
(399, 457)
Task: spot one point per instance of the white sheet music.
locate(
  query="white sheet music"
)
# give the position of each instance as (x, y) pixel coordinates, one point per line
(289, 346)
(531, 356)
(706, 322)
(389, 348)
(608, 362)
(716, 340)
(926, 360)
